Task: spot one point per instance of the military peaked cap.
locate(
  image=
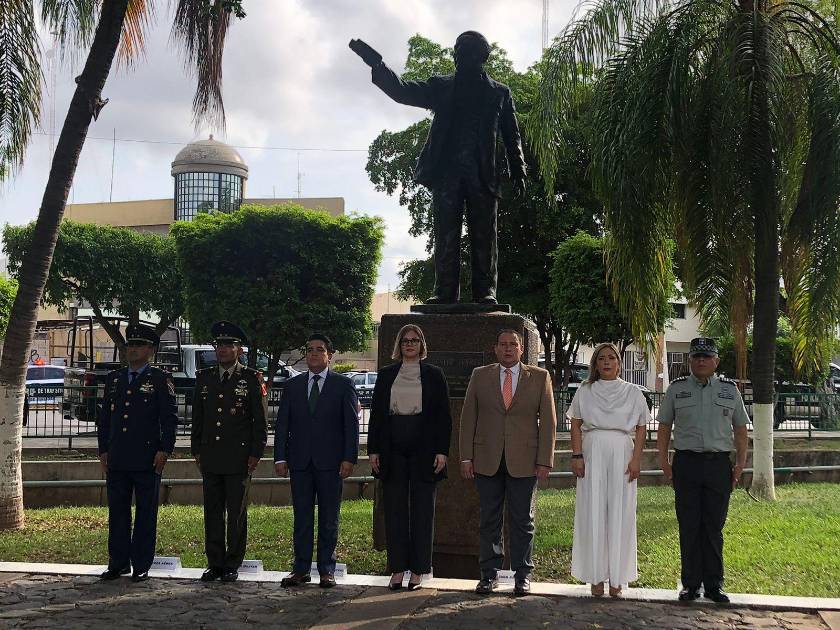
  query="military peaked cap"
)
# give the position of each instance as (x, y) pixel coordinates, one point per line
(142, 333)
(702, 345)
(225, 331)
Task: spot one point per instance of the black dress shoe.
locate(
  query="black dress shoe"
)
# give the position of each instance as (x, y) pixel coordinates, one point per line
(327, 580)
(485, 299)
(717, 596)
(213, 573)
(113, 574)
(230, 575)
(689, 594)
(295, 579)
(486, 586)
(140, 577)
(415, 586)
(522, 587)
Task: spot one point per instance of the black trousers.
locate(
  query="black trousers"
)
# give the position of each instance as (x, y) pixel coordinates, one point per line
(518, 492)
(309, 486)
(702, 485)
(225, 496)
(125, 546)
(409, 499)
(460, 187)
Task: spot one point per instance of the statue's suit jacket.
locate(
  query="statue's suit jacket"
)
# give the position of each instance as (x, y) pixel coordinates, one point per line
(524, 433)
(438, 95)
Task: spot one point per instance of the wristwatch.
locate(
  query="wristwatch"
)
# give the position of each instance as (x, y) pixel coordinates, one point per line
(577, 455)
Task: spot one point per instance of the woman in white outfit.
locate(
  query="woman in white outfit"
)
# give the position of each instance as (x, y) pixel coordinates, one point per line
(608, 417)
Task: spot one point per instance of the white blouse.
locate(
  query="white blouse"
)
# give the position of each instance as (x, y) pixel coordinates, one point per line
(614, 405)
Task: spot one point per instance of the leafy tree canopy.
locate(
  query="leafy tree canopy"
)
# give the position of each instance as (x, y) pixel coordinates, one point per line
(281, 273)
(8, 290)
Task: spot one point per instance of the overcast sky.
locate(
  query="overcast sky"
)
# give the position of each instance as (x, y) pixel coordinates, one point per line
(289, 81)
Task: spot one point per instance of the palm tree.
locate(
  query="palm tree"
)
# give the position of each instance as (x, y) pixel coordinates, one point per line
(718, 122)
(104, 27)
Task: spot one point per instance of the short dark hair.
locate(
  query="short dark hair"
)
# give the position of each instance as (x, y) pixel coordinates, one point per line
(324, 338)
(509, 331)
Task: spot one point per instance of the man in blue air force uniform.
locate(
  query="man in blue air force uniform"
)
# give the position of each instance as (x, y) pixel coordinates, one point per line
(136, 432)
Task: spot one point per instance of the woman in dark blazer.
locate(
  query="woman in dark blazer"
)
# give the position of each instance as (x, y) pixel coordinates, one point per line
(408, 443)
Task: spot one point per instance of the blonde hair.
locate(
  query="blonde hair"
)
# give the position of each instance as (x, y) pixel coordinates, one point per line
(396, 354)
(593, 362)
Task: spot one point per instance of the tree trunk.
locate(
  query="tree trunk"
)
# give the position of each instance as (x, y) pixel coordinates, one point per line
(36, 264)
(766, 309)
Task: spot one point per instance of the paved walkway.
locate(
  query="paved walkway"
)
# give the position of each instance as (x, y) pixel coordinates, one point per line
(30, 600)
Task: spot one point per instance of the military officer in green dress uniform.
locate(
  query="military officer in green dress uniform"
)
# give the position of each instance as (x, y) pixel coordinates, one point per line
(709, 421)
(229, 433)
(136, 435)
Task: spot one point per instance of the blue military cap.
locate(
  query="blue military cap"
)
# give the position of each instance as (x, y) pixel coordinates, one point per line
(702, 345)
(226, 331)
(141, 333)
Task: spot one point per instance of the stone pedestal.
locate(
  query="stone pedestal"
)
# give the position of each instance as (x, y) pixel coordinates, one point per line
(457, 343)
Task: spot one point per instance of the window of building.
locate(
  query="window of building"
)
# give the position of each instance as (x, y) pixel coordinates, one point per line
(677, 310)
(206, 192)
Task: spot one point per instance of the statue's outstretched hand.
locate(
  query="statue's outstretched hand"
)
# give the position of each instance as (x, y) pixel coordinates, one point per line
(368, 54)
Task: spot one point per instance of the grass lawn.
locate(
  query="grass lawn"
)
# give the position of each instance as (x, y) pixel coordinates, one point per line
(791, 547)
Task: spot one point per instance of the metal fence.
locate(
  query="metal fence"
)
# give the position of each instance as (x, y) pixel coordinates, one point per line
(795, 411)
(56, 411)
(68, 412)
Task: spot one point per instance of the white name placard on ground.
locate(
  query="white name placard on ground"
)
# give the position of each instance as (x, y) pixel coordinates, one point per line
(506, 576)
(166, 563)
(251, 566)
(340, 570)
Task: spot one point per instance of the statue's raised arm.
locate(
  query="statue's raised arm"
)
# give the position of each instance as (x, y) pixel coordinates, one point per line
(368, 54)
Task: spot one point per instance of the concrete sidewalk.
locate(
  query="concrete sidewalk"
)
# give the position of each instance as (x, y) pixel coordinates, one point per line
(71, 596)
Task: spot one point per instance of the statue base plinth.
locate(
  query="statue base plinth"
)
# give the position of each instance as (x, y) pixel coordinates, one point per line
(460, 308)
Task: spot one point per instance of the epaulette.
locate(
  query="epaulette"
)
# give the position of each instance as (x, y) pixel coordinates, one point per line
(726, 379)
(206, 370)
(679, 379)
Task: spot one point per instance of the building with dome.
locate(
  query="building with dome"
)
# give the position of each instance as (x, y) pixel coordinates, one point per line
(209, 176)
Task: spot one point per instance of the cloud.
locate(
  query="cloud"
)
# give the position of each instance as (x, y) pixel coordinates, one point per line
(289, 81)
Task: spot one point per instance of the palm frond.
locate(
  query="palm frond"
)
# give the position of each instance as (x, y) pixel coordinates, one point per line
(200, 27)
(20, 81)
(138, 18)
(71, 22)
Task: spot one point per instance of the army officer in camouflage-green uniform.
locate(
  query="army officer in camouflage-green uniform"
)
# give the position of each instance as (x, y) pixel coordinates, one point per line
(229, 433)
(709, 421)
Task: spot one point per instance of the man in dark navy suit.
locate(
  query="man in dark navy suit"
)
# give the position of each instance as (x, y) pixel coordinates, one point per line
(317, 440)
(136, 431)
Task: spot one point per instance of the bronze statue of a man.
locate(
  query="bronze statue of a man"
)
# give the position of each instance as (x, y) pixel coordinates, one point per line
(458, 161)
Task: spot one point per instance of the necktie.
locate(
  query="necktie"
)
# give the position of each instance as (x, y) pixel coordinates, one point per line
(313, 393)
(507, 388)
(225, 377)
(133, 376)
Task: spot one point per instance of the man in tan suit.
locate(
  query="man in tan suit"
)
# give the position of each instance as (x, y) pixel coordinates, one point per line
(507, 443)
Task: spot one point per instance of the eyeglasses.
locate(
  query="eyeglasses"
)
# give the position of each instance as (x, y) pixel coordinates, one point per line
(409, 341)
(224, 344)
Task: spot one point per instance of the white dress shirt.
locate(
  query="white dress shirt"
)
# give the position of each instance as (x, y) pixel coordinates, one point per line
(321, 380)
